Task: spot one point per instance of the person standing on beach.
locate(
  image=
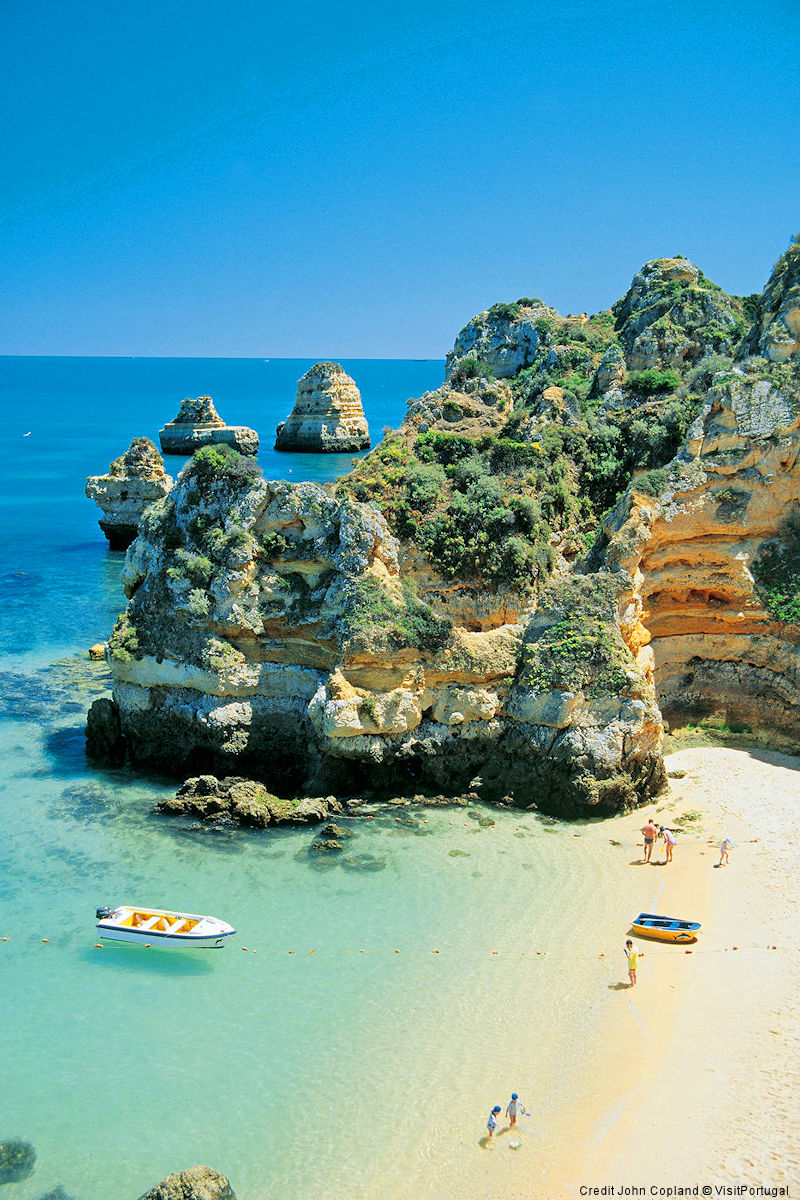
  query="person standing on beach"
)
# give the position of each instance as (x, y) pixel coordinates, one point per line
(513, 1108)
(491, 1124)
(724, 851)
(670, 842)
(650, 833)
(633, 961)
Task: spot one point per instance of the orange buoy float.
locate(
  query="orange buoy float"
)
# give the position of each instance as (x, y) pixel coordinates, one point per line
(45, 939)
(98, 946)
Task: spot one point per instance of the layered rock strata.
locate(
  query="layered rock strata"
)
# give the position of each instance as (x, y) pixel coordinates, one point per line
(327, 417)
(198, 424)
(694, 604)
(133, 481)
(697, 604)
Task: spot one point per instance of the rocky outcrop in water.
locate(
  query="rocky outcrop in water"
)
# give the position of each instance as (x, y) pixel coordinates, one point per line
(327, 416)
(450, 621)
(133, 481)
(198, 424)
(197, 1183)
(245, 802)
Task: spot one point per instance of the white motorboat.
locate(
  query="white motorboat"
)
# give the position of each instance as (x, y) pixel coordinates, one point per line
(161, 927)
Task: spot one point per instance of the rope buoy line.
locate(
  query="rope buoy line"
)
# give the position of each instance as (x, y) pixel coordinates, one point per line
(407, 950)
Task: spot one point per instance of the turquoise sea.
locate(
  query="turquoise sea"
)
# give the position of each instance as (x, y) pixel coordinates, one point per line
(347, 1043)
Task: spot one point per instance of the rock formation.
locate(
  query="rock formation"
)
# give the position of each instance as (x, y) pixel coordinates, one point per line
(327, 416)
(497, 596)
(134, 480)
(198, 1183)
(198, 424)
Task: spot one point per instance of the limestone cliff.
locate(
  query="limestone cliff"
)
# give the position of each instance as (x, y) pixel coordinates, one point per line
(327, 416)
(133, 481)
(199, 424)
(494, 599)
(713, 555)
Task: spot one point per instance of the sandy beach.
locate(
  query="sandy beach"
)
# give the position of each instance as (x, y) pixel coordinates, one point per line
(693, 1077)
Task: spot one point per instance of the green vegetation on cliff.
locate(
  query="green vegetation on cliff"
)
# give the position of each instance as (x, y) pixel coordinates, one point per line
(575, 645)
(776, 571)
(377, 620)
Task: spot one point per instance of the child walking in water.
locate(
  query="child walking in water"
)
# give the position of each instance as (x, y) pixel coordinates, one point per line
(491, 1124)
(514, 1107)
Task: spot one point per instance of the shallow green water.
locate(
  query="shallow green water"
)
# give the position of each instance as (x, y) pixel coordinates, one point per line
(286, 1070)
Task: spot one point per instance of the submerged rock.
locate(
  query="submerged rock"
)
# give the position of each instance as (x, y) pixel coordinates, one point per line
(197, 1183)
(17, 1160)
(327, 416)
(199, 424)
(134, 480)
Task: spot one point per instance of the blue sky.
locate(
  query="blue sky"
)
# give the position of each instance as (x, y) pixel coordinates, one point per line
(356, 180)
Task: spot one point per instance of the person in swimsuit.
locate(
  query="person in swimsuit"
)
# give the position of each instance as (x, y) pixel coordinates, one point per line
(650, 833)
(670, 842)
(724, 851)
(632, 955)
(491, 1124)
(514, 1107)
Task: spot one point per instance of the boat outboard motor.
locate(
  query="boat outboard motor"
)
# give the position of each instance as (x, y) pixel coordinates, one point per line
(104, 913)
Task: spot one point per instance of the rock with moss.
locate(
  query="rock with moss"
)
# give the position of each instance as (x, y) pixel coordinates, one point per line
(196, 1183)
(199, 424)
(134, 480)
(503, 339)
(673, 315)
(245, 802)
(328, 417)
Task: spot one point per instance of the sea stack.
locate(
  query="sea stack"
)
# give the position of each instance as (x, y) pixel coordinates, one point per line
(199, 424)
(327, 417)
(134, 480)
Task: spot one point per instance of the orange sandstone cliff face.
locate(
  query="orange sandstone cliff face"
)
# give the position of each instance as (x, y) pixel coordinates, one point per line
(437, 623)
